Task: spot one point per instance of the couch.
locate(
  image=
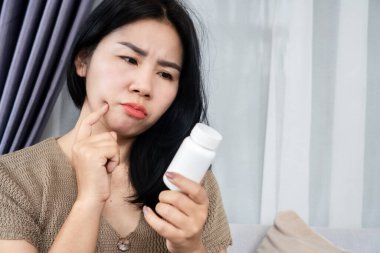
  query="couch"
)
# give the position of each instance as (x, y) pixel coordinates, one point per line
(247, 237)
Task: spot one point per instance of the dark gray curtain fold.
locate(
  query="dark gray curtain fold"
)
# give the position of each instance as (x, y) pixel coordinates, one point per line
(35, 39)
(11, 16)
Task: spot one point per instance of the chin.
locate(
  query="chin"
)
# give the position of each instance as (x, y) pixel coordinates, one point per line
(125, 126)
(126, 129)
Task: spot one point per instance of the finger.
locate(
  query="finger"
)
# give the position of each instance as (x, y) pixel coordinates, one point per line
(85, 126)
(194, 190)
(161, 226)
(105, 138)
(104, 145)
(113, 162)
(181, 201)
(172, 215)
(102, 155)
(112, 155)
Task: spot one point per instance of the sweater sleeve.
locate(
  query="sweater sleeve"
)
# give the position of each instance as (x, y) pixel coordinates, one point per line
(17, 221)
(216, 233)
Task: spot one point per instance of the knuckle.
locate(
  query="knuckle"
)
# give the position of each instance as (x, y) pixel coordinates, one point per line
(81, 150)
(192, 230)
(182, 234)
(162, 210)
(159, 208)
(199, 191)
(162, 196)
(176, 200)
(85, 152)
(161, 228)
(112, 145)
(203, 216)
(116, 148)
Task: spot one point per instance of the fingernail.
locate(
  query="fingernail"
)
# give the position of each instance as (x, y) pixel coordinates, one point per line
(145, 210)
(170, 175)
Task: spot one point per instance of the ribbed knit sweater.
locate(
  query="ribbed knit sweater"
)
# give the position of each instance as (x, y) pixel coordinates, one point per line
(38, 189)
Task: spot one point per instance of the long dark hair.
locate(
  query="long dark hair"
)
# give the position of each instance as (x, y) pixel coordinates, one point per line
(153, 150)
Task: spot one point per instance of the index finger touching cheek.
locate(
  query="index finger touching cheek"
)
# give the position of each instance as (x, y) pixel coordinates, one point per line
(86, 124)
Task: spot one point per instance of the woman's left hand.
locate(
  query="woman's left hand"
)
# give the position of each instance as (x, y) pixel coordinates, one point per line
(183, 215)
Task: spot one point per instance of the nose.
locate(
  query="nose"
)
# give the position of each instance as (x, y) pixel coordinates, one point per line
(142, 84)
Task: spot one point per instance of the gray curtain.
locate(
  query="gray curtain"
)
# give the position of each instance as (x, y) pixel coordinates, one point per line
(35, 39)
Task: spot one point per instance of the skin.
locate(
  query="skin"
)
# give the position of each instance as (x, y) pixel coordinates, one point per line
(137, 64)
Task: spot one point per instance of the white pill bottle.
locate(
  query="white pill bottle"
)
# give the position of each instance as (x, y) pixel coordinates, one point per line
(195, 154)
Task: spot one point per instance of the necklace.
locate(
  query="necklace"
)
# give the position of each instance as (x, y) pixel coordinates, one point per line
(123, 244)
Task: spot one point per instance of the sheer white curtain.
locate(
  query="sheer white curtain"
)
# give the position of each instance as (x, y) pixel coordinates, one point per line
(294, 88)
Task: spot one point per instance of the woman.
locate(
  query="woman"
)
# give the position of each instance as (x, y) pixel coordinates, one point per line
(135, 74)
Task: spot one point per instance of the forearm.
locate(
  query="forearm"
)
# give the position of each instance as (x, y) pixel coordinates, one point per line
(79, 232)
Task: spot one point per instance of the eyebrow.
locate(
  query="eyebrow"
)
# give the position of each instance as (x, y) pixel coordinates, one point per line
(144, 53)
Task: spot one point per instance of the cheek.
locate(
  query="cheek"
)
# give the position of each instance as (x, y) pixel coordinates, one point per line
(167, 97)
(102, 80)
(170, 92)
(102, 73)
(172, 96)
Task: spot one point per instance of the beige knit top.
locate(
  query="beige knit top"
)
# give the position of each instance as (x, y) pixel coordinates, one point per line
(38, 189)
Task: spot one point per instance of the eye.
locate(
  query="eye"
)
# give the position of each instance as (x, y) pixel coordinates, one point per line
(129, 60)
(165, 75)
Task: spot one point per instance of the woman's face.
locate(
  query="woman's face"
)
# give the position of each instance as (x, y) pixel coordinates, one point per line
(135, 70)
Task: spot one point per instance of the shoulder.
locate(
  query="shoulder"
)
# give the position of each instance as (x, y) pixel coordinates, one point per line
(37, 190)
(35, 161)
(210, 183)
(211, 186)
(38, 153)
(216, 235)
(33, 170)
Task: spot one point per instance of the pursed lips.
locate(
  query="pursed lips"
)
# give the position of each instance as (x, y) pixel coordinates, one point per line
(135, 110)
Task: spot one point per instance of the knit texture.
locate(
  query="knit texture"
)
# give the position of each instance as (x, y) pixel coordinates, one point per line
(38, 189)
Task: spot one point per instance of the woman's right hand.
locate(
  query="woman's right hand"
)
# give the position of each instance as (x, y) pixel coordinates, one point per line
(94, 157)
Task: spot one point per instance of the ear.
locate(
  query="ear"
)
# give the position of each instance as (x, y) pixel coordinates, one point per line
(81, 63)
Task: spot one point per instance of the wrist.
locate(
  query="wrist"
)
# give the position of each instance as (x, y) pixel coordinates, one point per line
(88, 205)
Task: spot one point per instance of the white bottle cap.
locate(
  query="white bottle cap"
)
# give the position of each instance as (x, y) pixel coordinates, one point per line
(206, 136)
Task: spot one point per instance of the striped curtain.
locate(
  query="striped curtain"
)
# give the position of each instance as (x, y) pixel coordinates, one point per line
(35, 39)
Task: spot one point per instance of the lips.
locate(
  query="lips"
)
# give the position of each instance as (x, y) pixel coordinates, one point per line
(135, 110)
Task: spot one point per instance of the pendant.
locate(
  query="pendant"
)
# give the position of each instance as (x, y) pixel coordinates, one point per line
(123, 245)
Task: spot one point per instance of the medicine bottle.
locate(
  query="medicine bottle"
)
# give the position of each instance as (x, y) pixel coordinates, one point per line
(195, 154)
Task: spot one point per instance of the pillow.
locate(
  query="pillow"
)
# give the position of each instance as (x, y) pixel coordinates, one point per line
(290, 234)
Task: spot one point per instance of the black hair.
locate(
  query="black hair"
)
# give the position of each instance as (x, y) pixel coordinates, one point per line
(153, 150)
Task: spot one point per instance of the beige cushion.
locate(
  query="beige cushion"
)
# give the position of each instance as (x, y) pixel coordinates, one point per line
(290, 234)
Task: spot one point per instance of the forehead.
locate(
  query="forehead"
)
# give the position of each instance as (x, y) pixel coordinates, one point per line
(148, 34)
